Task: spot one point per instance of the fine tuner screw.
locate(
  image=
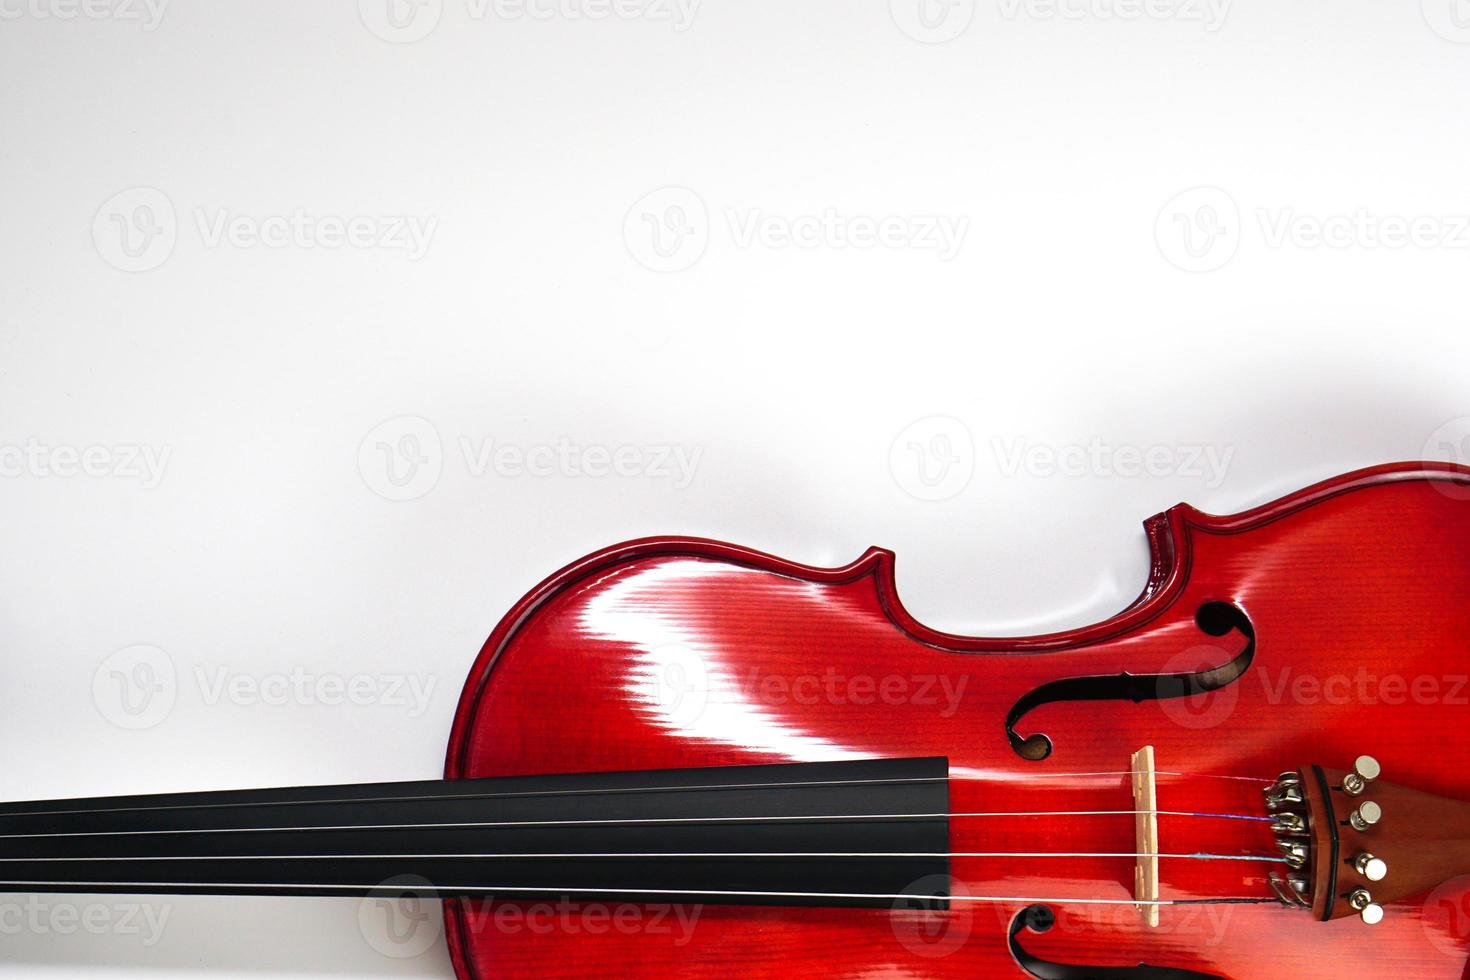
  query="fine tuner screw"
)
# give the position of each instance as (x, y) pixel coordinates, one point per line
(1290, 823)
(1282, 781)
(1296, 853)
(1284, 794)
(1365, 816)
(1365, 770)
(1368, 910)
(1370, 867)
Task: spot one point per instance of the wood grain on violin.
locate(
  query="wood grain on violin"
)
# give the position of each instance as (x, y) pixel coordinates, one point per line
(910, 803)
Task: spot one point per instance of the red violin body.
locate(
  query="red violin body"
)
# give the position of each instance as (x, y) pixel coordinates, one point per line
(666, 653)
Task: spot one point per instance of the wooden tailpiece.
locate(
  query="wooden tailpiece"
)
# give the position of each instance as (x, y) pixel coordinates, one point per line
(1382, 845)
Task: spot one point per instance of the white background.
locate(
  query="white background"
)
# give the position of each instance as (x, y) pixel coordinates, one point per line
(606, 208)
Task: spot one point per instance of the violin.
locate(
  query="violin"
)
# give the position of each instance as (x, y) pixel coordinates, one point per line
(678, 757)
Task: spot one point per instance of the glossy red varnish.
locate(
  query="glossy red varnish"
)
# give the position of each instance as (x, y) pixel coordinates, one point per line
(685, 652)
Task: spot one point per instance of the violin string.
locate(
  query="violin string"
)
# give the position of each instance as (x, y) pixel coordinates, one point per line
(515, 890)
(648, 856)
(603, 792)
(1079, 775)
(636, 821)
(1115, 813)
(839, 783)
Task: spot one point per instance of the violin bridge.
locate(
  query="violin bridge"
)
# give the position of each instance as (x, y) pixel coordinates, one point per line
(1146, 835)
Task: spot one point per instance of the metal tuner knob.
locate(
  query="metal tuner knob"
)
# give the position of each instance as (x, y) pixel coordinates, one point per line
(1370, 867)
(1366, 815)
(1368, 910)
(1365, 770)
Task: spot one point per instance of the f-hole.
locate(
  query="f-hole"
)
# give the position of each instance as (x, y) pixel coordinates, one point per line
(1040, 918)
(1212, 618)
